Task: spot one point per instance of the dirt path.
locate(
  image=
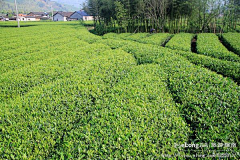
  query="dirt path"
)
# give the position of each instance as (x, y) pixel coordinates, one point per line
(164, 44)
(194, 44)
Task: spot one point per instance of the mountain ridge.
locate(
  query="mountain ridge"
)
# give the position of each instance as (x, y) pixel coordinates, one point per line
(75, 3)
(25, 6)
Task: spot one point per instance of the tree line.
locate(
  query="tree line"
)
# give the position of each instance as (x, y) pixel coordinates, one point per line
(171, 16)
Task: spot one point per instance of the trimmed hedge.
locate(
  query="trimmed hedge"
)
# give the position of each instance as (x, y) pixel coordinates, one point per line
(20, 81)
(232, 41)
(209, 44)
(157, 39)
(136, 36)
(44, 52)
(104, 107)
(181, 41)
(115, 35)
(92, 102)
(207, 101)
(226, 68)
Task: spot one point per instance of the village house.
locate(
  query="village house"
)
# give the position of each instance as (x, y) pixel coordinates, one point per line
(81, 15)
(32, 18)
(62, 16)
(23, 17)
(38, 14)
(29, 18)
(4, 18)
(13, 19)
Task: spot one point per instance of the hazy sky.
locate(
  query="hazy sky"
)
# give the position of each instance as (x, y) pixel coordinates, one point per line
(76, 3)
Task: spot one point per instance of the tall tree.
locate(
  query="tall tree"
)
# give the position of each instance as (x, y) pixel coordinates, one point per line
(167, 15)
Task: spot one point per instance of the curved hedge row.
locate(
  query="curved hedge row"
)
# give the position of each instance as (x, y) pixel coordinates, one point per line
(207, 101)
(209, 44)
(21, 41)
(181, 41)
(114, 44)
(87, 37)
(115, 35)
(136, 36)
(42, 53)
(157, 39)
(231, 40)
(92, 102)
(101, 106)
(20, 81)
(226, 68)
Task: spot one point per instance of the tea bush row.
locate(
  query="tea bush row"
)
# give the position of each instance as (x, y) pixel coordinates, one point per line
(231, 40)
(207, 101)
(91, 104)
(209, 44)
(181, 41)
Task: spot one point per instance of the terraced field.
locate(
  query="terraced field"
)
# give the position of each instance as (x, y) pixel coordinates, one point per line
(69, 94)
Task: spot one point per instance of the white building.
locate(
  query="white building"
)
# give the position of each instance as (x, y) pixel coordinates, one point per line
(88, 18)
(81, 15)
(28, 18)
(62, 16)
(2, 18)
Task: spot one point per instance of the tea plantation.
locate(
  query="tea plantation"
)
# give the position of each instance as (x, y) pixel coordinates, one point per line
(68, 94)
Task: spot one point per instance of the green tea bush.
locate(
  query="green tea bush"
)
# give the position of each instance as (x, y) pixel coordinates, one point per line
(93, 110)
(19, 81)
(42, 53)
(90, 38)
(114, 44)
(135, 36)
(181, 41)
(209, 44)
(115, 35)
(207, 101)
(231, 40)
(157, 39)
(77, 98)
(226, 68)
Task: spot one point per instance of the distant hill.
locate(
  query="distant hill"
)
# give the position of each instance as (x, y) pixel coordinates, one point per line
(35, 5)
(75, 3)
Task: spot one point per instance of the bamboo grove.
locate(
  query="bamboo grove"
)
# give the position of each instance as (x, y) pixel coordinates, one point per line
(174, 16)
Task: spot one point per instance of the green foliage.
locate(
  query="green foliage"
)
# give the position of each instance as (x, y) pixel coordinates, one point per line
(121, 15)
(173, 16)
(115, 35)
(238, 28)
(113, 43)
(226, 68)
(88, 23)
(232, 41)
(208, 101)
(81, 103)
(181, 41)
(157, 39)
(136, 36)
(71, 96)
(209, 44)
